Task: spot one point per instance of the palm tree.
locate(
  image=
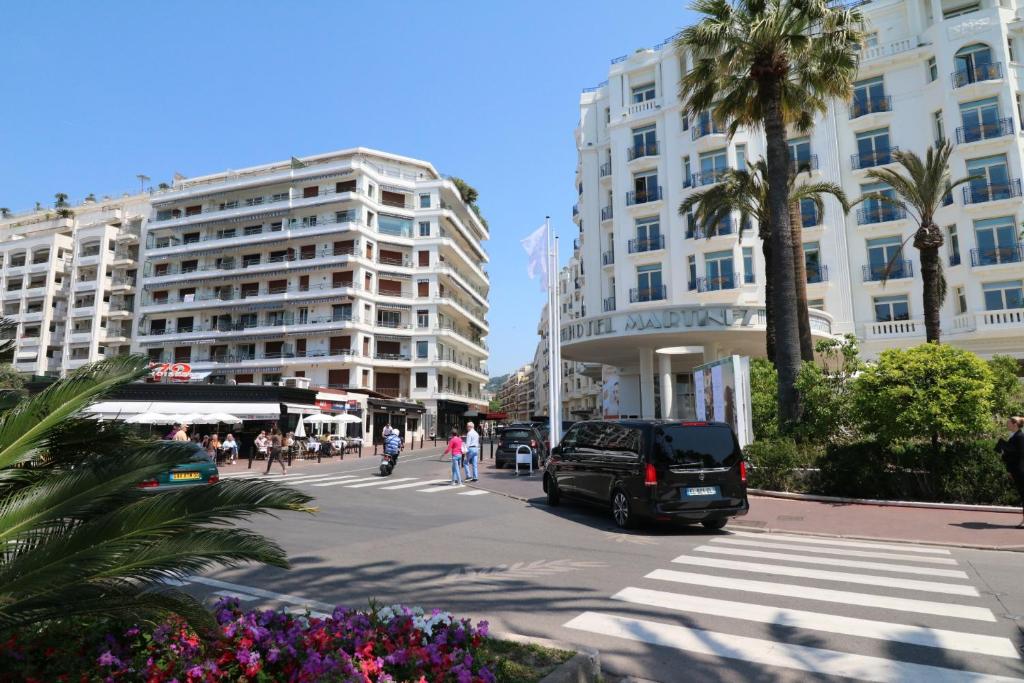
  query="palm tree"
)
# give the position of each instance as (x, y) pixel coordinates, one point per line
(78, 536)
(746, 193)
(920, 191)
(4, 212)
(771, 64)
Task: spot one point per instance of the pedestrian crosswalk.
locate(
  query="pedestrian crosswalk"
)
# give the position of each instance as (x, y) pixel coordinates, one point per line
(828, 607)
(340, 480)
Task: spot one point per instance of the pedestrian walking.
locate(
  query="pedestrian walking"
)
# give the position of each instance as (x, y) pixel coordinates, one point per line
(1012, 451)
(472, 446)
(455, 449)
(276, 443)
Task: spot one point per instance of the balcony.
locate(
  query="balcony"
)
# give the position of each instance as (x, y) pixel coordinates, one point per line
(723, 229)
(817, 274)
(984, 131)
(608, 258)
(997, 256)
(605, 170)
(606, 213)
(703, 128)
(639, 295)
(637, 246)
(715, 284)
(575, 209)
(710, 178)
(954, 259)
(976, 194)
(870, 105)
(879, 214)
(879, 157)
(608, 304)
(891, 329)
(804, 164)
(749, 278)
(977, 74)
(643, 197)
(640, 151)
(898, 270)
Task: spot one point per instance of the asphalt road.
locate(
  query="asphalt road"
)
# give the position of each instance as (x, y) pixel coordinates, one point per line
(666, 604)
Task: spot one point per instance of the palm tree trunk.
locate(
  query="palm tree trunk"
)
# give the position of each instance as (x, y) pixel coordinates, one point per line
(932, 293)
(800, 280)
(787, 332)
(769, 304)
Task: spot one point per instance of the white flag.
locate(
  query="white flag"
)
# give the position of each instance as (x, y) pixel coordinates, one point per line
(536, 246)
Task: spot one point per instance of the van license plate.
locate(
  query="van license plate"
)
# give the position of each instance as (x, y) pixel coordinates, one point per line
(179, 476)
(702, 491)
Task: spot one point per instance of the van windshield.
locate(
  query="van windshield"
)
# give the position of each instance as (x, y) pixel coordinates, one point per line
(697, 446)
(516, 435)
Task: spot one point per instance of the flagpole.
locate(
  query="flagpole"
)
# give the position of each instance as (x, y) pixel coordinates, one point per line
(556, 351)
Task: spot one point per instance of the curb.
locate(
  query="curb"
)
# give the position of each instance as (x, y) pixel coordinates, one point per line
(583, 667)
(882, 503)
(854, 537)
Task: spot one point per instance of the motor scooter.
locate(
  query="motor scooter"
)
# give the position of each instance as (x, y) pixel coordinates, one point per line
(387, 464)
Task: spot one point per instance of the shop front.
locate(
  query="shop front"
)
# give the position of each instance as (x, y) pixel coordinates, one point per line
(401, 415)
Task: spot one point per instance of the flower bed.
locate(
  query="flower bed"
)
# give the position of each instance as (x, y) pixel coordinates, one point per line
(383, 645)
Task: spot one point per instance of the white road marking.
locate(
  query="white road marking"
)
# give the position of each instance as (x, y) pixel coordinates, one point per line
(831, 623)
(474, 492)
(845, 552)
(814, 540)
(412, 485)
(316, 478)
(770, 653)
(824, 575)
(261, 593)
(826, 595)
(435, 489)
(349, 481)
(833, 562)
(383, 480)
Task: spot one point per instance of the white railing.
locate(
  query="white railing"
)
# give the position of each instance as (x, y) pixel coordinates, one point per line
(896, 328)
(1007, 318)
(889, 49)
(649, 105)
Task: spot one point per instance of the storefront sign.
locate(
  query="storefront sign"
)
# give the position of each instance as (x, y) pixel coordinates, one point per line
(170, 372)
(681, 318)
(339, 406)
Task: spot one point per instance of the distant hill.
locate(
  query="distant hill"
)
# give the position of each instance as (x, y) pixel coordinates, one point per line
(494, 383)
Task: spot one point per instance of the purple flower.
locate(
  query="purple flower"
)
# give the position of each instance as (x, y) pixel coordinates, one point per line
(195, 671)
(107, 659)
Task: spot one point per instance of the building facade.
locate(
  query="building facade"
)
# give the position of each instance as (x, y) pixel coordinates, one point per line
(661, 297)
(516, 396)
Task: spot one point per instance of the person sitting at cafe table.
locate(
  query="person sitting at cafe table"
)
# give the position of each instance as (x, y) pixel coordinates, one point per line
(230, 446)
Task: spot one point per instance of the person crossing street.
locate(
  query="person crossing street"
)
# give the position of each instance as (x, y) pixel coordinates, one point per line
(455, 450)
(472, 453)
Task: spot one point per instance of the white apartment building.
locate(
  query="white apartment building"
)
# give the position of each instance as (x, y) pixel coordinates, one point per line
(68, 278)
(517, 397)
(357, 269)
(661, 298)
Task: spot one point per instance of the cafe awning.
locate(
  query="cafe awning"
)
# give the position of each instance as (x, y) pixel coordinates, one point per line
(112, 410)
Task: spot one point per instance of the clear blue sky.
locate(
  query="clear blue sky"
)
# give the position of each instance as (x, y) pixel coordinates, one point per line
(96, 93)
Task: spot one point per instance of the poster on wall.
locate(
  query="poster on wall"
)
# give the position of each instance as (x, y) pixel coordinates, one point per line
(610, 396)
(722, 390)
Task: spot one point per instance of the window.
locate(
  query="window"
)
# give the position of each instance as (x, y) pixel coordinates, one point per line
(643, 93)
(395, 225)
(687, 175)
(812, 263)
(981, 120)
(873, 148)
(938, 129)
(648, 235)
(960, 11)
(424, 201)
(741, 157)
(389, 318)
(960, 300)
(809, 216)
(422, 318)
(253, 201)
(712, 166)
(883, 259)
(718, 271)
(228, 205)
(645, 188)
(1000, 296)
(346, 216)
(869, 97)
(973, 63)
(748, 265)
(345, 186)
(424, 228)
(876, 210)
(816, 304)
(648, 283)
(311, 191)
(953, 239)
(997, 242)
(992, 179)
(421, 349)
(691, 269)
(871, 39)
(933, 70)
(421, 380)
(800, 153)
(1020, 110)
(684, 122)
(891, 308)
(1009, 48)
(279, 197)
(645, 142)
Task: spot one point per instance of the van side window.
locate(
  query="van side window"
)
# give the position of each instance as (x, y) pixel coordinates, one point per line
(621, 439)
(571, 436)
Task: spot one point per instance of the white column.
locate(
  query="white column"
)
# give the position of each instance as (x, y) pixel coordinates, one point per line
(711, 352)
(647, 383)
(668, 386)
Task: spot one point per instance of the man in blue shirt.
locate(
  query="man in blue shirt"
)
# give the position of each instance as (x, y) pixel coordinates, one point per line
(472, 453)
(392, 443)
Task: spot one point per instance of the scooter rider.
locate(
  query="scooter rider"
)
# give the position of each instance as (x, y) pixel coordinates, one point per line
(392, 443)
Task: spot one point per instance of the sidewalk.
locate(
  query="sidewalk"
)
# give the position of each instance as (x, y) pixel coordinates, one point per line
(976, 529)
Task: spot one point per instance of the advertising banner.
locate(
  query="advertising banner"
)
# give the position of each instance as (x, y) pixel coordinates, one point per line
(610, 393)
(722, 394)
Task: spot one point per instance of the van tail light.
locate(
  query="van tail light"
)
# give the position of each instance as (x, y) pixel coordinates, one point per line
(650, 475)
(148, 484)
(213, 479)
(743, 471)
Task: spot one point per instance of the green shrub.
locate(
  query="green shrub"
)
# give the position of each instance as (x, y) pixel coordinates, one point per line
(855, 470)
(764, 398)
(1007, 389)
(826, 390)
(775, 465)
(932, 391)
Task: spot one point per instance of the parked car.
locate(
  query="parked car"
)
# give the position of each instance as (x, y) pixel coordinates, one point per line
(651, 470)
(511, 438)
(199, 470)
(544, 429)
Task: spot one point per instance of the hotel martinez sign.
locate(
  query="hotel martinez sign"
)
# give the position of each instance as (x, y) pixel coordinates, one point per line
(696, 318)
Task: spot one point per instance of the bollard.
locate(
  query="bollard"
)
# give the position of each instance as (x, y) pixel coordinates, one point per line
(252, 454)
(421, 441)
(492, 446)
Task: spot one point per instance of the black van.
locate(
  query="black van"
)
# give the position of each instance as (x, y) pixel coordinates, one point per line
(652, 470)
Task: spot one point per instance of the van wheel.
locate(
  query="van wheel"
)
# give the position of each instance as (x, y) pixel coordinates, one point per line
(622, 511)
(715, 524)
(554, 495)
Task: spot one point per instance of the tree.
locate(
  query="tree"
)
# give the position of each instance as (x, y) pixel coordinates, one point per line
(79, 536)
(467, 191)
(920, 192)
(772, 64)
(1007, 388)
(746, 193)
(827, 390)
(61, 200)
(4, 212)
(931, 391)
(10, 378)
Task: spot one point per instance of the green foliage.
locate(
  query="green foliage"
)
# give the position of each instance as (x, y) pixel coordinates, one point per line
(930, 391)
(775, 464)
(827, 392)
(79, 537)
(1007, 388)
(764, 398)
(468, 192)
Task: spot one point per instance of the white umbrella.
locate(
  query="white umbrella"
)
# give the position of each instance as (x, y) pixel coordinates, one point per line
(196, 419)
(316, 418)
(300, 430)
(226, 418)
(148, 418)
(345, 418)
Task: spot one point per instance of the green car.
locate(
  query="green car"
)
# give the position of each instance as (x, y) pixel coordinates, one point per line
(199, 470)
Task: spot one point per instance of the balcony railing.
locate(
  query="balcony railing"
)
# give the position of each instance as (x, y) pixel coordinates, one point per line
(643, 196)
(606, 213)
(709, 178)
(175, 214)
(984, 131)
(639, 151)
(608, 258)
(167, 242)
(575, 209)
(879, 214)
(976, 194)
(977, 73)
(870, 105)
(606, 169)
(724, 227)
(748, 278)
(649, 244)
(640, 294)
(704, 128)
(714, 284)
(954, 259)
(877, 158)
(608, 304)
(997, 255)
(897, 270)
(817, 274)
(804, 163)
